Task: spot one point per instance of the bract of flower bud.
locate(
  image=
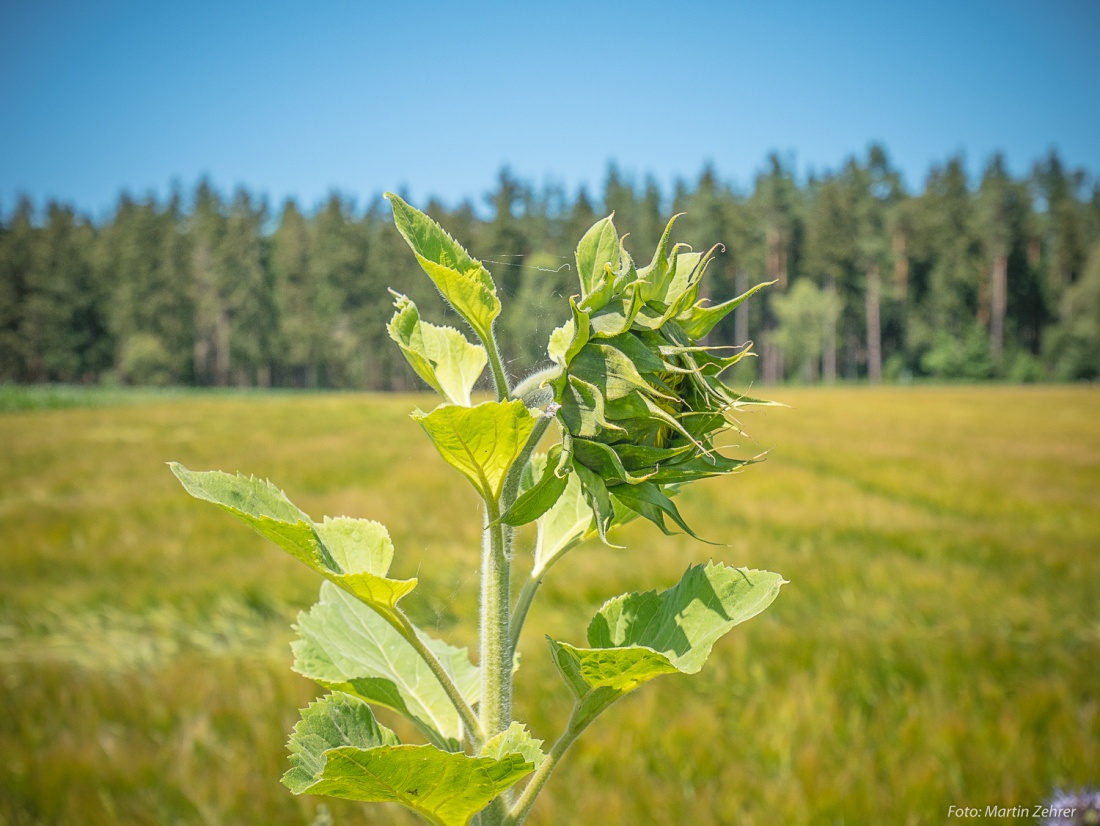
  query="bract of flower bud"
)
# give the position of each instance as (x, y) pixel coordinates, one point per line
(641, 397)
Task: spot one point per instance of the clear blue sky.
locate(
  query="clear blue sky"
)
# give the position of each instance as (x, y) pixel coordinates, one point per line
(301, 98)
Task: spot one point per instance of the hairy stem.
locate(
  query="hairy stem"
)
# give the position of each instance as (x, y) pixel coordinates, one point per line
(523, 605)
(496, 650)
(469, 718)
(496, 366)
(496, 672)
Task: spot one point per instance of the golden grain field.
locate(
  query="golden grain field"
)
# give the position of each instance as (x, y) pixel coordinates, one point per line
(938, 643)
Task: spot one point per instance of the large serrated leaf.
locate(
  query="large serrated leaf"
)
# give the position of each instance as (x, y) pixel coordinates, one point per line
(335, 751)
(352, 553)
(639, 636)
(481, 442)
(337, 720)
(461, 280)
(346, 647)
(441, 356)
(514, 740)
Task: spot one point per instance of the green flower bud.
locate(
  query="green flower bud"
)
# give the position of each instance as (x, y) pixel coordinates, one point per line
(640, 397)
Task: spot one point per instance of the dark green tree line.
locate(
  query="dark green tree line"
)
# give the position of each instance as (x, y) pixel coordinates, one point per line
(977, 278)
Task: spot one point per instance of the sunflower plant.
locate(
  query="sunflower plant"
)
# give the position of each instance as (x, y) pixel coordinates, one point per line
(635, 396)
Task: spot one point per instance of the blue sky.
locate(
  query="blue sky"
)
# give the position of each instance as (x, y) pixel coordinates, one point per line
(299, 99)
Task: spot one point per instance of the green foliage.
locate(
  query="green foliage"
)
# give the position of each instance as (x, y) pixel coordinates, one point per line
(345, 646)
(480, 442)
(639, 403)
(235, 296)
(637, 637)
(439, 355)
(353, 553)
(462, 281)
(1074, 347)
(807, 316)
(339, 749)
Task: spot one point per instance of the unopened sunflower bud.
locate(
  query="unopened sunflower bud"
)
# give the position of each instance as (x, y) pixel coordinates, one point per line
(641, 398)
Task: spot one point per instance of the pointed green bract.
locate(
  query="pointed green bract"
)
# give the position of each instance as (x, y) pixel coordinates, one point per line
(514, 740)
(553, 472)
(441, 356)
(353, 553)
(598, 248)
(482, 442)
(345, 646)
(461, 280)
(639, 636)
(700, 320)
(566, 524)
(567, 340)
(336, 751)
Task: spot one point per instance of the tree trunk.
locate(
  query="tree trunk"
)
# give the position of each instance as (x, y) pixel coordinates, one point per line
(741, 314)
(998, 305)
(828, 353)
(776, 261)
(984, 298)
(874, 330)
(221, 349)
(901, 265)
(771, 371)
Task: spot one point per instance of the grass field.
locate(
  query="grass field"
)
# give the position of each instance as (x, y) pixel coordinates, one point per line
(938, 643)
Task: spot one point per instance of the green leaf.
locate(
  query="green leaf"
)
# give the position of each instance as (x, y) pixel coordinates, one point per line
(598, 248)
(336, 752)
(461, 280)
(645, 359)
(639, 636)
(334, 721)
(441, 356)
(481, 442)
(345, 646)
(353, 553)
(562, 527)
(514, 740)
(540, 496)
(263, 506)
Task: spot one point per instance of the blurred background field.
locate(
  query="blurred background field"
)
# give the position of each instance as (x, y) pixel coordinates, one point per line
(937, 644)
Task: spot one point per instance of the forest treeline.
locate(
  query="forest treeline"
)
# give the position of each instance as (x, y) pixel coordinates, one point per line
(996, 277)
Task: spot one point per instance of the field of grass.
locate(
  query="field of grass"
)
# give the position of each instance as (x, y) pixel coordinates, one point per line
(938, 643)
